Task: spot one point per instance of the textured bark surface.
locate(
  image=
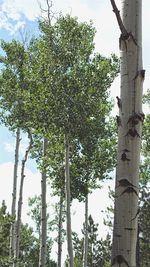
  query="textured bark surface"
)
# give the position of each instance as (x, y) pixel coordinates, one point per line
(43, 235)
(129, 136)
(68, 202)
(14, 196)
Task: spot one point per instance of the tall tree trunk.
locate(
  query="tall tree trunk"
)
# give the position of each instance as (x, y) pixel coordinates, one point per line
(60, 230)
(129, 134)
(43, 234)
(14, 196)
(85, 254)
(68, 202)
(20, 201)
(138, 248)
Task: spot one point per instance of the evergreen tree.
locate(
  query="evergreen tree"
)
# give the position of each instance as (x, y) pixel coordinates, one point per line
(98, 249)
(29, 243)
(143, 257)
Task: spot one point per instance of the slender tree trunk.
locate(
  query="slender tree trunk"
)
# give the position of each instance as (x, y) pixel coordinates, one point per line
(60, 231)
(68, 201)
(20, 201)
(43, 235)
(138, 248)
(85, 254)
(14, 195)
(129, 135)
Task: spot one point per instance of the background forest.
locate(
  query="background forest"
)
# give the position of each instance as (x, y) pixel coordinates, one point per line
(55, 93)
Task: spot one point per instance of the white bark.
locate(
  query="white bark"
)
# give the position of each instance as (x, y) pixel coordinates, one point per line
(14, 195)
(60, 231)
(43, 235)
(129, 137)
(20, 202)
(85, 254)
(68, 201)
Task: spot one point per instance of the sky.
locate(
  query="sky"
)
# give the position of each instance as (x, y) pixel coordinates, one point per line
(19, 19)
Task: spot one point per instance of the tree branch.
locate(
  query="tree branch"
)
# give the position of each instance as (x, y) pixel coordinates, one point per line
(49, 6)
(48, 10)
(120, 23)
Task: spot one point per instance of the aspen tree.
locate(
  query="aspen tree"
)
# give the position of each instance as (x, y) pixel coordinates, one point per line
(60, 227)
(20, 202)
(65, 78)
(68, 201)
(14, 195)
(131, 118)
(43, 235)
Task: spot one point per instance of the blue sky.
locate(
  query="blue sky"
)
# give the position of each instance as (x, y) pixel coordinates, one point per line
(17, 18)
(21, 15)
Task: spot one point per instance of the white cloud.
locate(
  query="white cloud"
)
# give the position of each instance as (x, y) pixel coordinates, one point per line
(9, 10)
(10, 20)
(31, 184)
(10, 147)
(97, 201)
(106, 39)
(14, 9)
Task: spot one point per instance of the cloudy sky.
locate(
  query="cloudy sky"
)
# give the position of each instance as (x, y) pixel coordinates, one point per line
(19, 18)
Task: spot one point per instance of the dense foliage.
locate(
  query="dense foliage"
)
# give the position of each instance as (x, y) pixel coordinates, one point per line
(53, 86)
(29, 243)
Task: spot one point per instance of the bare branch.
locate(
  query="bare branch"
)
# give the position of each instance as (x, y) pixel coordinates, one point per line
(49, 6)
(120, 23)
(48, 10)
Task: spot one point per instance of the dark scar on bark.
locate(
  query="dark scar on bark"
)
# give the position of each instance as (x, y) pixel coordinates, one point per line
(119, 259)
(129, 190)
(140, 73)
(132, 132)
(117, 235)
(126, 150)
(118, 120)
(125, 183)
(129, 229)
(136, 117)
(119, 102)
(124, 157)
